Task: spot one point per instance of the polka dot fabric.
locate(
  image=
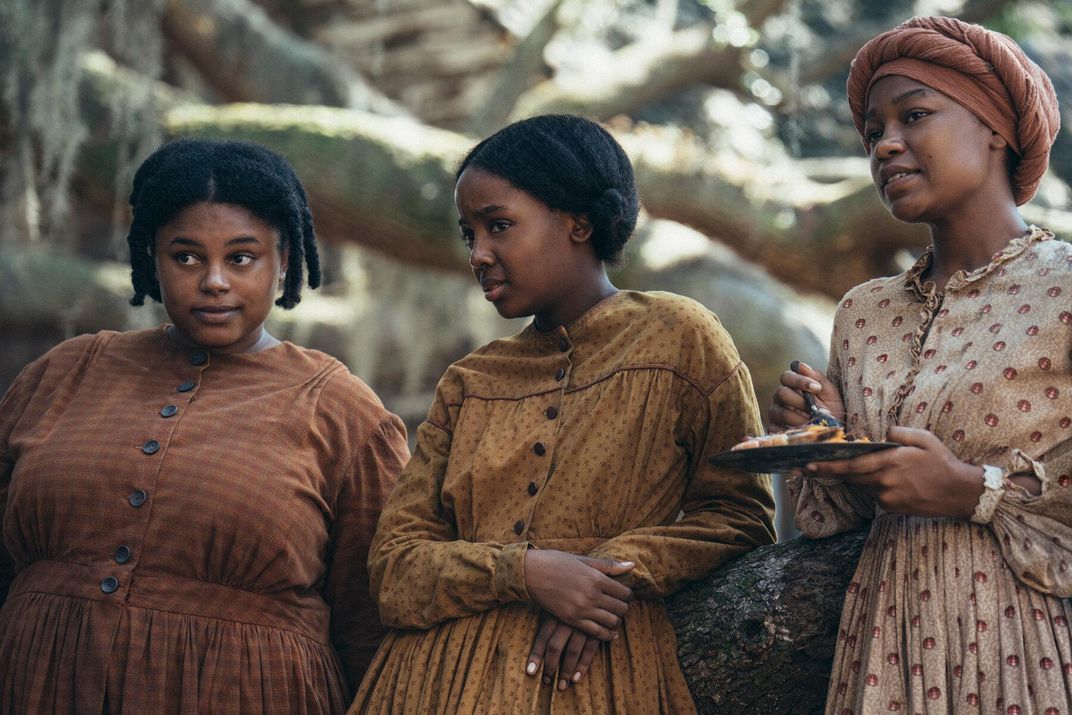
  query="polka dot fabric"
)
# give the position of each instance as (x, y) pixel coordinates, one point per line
(590, 439)
(948, 615)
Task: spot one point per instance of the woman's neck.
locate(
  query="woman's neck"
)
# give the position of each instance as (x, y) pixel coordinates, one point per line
(579, 301)
(968, 242)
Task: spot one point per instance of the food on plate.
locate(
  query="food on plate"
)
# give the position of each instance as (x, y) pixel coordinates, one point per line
(808, 434)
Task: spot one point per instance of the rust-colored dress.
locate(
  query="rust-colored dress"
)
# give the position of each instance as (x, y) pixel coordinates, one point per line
(590, 439)
(186, 532)
(951, 615)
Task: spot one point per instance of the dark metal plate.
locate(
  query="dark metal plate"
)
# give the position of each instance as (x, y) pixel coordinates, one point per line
(794, 456)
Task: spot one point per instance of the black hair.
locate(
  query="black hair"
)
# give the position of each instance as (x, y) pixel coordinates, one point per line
(187, 171)
(571, 164)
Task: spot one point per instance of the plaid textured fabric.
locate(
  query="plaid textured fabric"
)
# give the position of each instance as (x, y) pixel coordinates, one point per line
(187, 532)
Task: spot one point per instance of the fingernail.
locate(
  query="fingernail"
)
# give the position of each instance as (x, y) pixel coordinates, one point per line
(531, 669)
(627, 563)
(562, 684)
(615, 637)
(577, 676)
(812, 467)
(547, 680)
(814, 386)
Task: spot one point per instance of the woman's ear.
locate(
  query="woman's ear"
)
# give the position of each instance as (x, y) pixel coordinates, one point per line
(580, 228)
(283, 263)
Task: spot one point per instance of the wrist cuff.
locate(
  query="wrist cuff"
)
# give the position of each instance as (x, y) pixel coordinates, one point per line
(993, 491)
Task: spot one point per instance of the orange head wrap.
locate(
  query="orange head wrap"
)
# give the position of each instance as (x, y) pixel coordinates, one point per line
(986, 72)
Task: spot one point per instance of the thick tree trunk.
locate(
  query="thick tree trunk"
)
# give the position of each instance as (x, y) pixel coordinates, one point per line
(758, 636)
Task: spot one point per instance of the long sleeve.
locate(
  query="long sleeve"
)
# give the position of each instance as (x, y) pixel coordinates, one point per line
(725, 512)
(355, 625)
(40, 375)
(1035, 532)
(422, 572)
(12, 408)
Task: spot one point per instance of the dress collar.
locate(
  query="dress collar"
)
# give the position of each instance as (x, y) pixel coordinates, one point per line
(960, 279)
(581, 329)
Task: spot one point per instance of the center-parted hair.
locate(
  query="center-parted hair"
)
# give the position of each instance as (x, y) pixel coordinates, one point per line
(571, 164)
(188, 171)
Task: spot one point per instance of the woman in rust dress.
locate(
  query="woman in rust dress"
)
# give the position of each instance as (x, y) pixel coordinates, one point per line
(960, 599)
(187, 509)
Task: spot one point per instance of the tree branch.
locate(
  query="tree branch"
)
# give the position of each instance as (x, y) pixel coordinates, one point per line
(246, 57)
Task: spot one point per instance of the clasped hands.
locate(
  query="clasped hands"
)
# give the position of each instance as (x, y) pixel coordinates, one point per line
(583, 605)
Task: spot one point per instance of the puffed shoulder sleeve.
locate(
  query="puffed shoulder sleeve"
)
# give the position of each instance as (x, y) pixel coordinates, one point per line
(724, 512)
(828, 506)
(1035, 532)
(422, 572)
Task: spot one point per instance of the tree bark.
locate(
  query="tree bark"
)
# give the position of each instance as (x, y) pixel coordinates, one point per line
(246, 57)
(758, 635)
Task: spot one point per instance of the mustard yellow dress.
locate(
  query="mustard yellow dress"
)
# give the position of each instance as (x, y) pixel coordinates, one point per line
(591, 439)
(958, 615)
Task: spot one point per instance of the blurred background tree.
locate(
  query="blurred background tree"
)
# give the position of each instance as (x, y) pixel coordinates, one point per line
(756, 194)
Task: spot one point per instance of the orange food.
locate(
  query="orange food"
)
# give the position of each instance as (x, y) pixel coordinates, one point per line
(808, 434)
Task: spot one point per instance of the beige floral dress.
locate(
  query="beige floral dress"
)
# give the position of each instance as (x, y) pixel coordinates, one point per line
(952, 615)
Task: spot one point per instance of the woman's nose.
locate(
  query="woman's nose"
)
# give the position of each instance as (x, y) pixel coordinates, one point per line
(480, 255)
(888, 144)
(214, 279)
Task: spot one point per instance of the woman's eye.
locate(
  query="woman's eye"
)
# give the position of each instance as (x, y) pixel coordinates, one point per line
(916, 114)
(242, 259)
(872, 136)
(498, 226)
(467, 237)
(185, 259)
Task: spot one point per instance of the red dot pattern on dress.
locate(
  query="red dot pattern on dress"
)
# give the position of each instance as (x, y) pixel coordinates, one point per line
(984, 369)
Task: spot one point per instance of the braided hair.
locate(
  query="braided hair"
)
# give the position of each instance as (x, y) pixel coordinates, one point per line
(571, 164)
(188, 171)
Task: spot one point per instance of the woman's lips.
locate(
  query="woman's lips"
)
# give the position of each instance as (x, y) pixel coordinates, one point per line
(215, 315)
(898, 181)
(493, 289)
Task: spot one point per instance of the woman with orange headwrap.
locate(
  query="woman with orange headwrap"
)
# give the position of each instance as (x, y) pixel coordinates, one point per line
(960, 599)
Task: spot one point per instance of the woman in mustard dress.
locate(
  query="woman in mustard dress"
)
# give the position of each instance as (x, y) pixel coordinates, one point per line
(560, 487)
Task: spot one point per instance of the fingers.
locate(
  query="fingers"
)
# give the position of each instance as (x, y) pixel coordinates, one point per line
(809, 382)
(539, 646)
(912, 437)
(568, 673)
(553, 655)
(855, 467)
(787, 409)
(594, 629)
(616, 606)
(617, 591)
(588, 653)
(805, 370)
(610, 567)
